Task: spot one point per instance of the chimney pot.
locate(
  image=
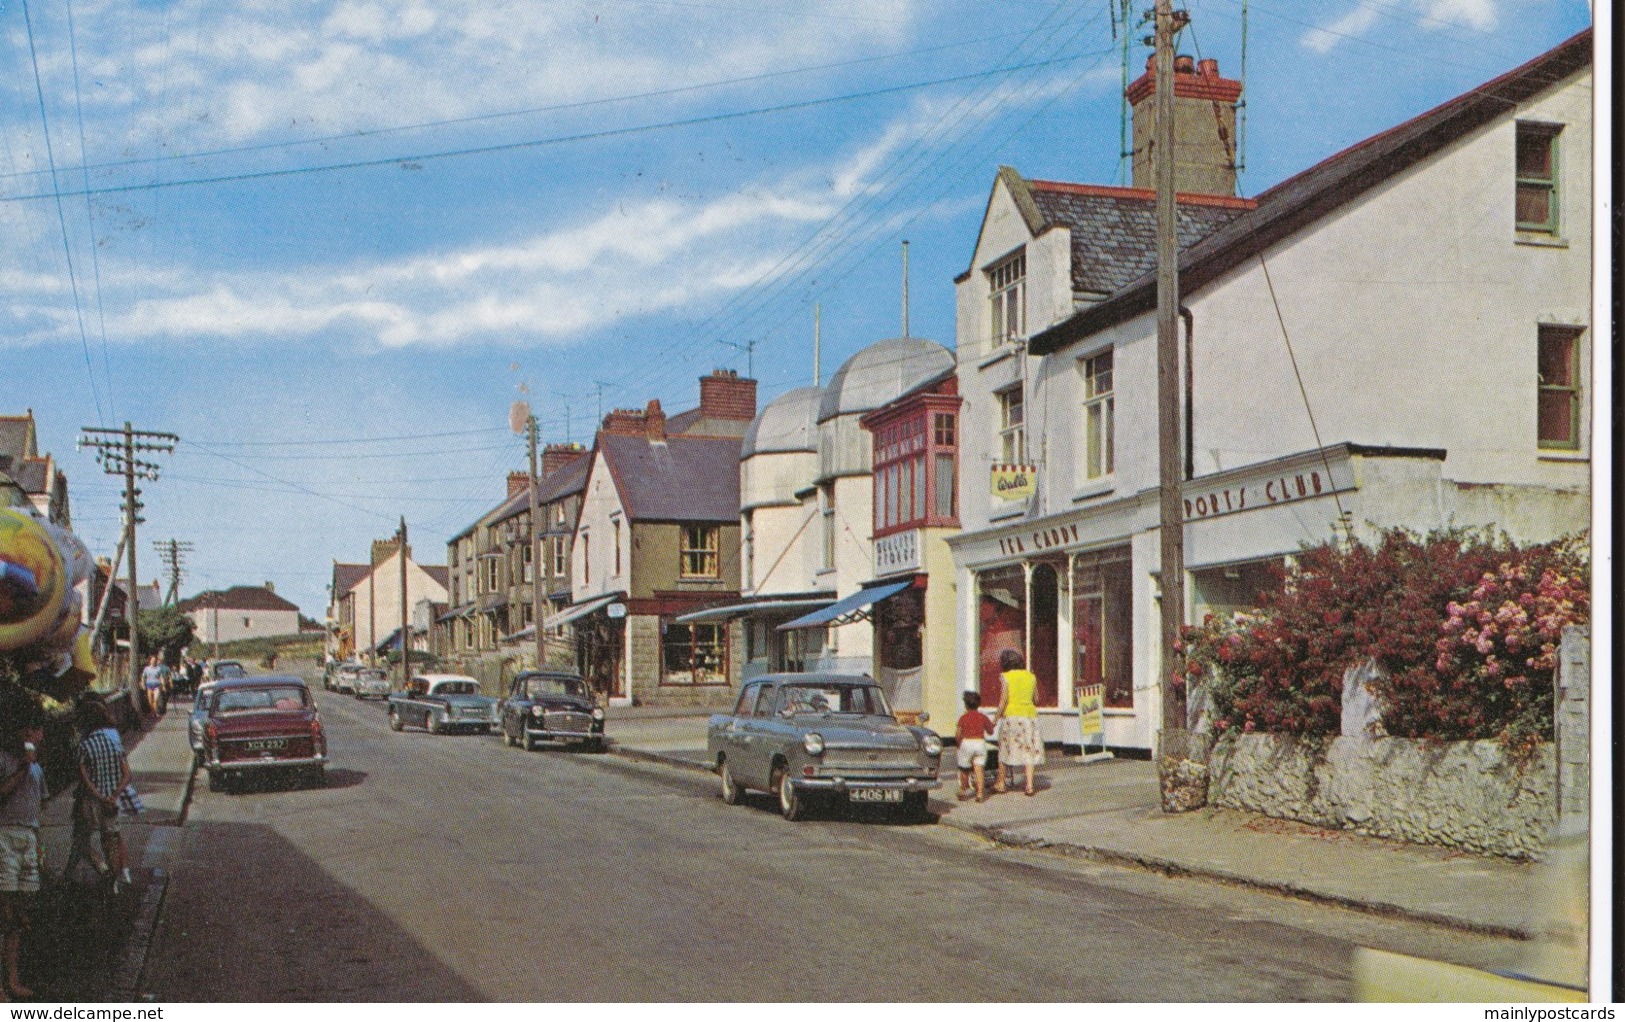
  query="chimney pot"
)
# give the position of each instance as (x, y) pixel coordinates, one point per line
(1184, 64)
(518, 482)
(1209, 68)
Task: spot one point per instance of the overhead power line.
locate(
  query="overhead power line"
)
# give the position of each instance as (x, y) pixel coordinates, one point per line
(501, 147)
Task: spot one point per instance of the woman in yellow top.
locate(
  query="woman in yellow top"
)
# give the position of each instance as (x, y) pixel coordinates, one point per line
(1019, 742)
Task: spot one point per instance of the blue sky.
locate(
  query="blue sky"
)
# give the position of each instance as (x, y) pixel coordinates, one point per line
(329, 242)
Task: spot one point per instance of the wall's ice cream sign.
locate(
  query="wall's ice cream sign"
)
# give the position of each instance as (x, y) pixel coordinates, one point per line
(1014, 482)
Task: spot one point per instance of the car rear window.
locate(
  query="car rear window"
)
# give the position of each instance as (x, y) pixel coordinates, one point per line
(457, 688)
(275, 697)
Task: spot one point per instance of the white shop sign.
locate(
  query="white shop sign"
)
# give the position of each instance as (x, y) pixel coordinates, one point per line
(898, 552)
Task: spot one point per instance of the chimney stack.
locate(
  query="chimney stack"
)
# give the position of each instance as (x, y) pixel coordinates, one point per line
(654, 422)
(624, 422)
(557, 456)
(1204, 126)
(518, 482)
(384, 549)
(727, 395)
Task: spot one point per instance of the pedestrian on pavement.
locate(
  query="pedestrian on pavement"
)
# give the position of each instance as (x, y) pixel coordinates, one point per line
(22, 788)
(104, 773)
(971, 735)
(1019, 741)
(155, 685)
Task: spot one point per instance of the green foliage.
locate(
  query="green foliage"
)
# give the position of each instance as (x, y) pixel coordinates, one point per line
(165, 631)
(1462, 625)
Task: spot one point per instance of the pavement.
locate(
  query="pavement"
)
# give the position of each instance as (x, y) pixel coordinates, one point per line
(89, 945)
(1110, 810)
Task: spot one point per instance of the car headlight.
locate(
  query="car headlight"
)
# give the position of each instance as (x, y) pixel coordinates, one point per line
(535, 711)
(813, 743)
(597, 713)
(932, 745)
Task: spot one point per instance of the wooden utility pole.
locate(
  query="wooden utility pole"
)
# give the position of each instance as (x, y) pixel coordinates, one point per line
(116, 453)
(538, 600)
(1171, 530)
(406, 625)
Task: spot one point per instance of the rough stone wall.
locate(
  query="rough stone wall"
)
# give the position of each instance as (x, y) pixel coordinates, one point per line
(644, 633)
(1457, 794)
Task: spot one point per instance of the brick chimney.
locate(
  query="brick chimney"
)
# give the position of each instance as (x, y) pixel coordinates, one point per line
(624, 422)
(726, 395)
(384, 549)
(557, 456)
(518, 482)
(1204, 127)
(654, 422)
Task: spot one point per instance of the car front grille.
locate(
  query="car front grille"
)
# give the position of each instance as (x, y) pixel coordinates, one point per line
(567, 722)
(868, 759)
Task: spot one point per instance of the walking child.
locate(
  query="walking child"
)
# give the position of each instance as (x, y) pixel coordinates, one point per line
(972, 734)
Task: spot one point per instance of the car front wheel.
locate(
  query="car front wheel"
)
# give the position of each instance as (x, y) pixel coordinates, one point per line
(431, 725)
(792, 803)
(732, 793)
(394, 720)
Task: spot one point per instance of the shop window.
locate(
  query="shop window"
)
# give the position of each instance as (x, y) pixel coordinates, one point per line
(701, 546)
(1001, 624)
(1537, 198)
(695, 654)
(1007, 291)
(1558, 416)
(1098, 416)
(1103, 625)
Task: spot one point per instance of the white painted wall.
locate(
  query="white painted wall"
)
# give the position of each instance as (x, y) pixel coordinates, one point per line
(373, 624)
(236, 624)
(593, 574)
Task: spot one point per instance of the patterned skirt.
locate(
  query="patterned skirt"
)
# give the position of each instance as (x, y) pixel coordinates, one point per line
(1019, 743)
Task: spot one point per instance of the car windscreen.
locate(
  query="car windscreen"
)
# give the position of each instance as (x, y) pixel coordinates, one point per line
(536, 688)
(832, 698)
(375, 674)
(271, 697)
(457, 688)
(230, 671)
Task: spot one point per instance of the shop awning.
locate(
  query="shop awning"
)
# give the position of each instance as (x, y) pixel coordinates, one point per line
(569, 614)
(853, 608)
(733, 610)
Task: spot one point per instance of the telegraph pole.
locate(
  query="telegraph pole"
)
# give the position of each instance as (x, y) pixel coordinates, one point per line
(406, 645)
(1171, 530)
(537, 599)
(116, 453)
(174, 553)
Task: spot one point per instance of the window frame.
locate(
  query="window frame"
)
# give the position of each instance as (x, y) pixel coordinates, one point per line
(709, 548)
(1549, 184)
(1009, 429)
(1099, 408)
(1572, 336)
(1007, 298)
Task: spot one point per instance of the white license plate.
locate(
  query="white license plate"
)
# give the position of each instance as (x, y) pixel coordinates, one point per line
(875, 795)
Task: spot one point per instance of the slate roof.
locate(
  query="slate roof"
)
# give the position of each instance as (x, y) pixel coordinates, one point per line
(345, 577)
(33, 475)
(237, 598)
(14, 436)
(685, 479)
(436, 572)
(1329, 185)
(567, 480)
(1114, 230)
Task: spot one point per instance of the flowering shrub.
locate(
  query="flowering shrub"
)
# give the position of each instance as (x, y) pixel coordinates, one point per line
(1463, 628)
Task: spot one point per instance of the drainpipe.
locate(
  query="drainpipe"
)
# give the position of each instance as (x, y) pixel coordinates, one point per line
(1190, 388)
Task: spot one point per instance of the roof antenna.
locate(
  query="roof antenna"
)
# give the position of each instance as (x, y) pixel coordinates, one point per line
(905, 288)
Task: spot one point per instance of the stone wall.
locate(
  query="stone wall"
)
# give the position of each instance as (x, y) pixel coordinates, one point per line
(1458, 794)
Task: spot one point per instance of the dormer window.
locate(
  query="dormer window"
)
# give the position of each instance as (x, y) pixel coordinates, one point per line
(1007, 293)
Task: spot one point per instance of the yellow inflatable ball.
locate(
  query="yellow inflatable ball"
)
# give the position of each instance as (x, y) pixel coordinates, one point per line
(33, 581)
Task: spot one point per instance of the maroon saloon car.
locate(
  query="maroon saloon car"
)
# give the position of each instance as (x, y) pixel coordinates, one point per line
(263, 723)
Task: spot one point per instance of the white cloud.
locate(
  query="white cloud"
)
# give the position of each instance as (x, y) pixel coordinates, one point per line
(1479, 15)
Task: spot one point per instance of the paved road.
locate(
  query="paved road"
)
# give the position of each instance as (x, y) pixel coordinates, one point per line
(454, 868)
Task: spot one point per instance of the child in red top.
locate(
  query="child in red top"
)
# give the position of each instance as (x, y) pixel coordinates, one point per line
(972, 734)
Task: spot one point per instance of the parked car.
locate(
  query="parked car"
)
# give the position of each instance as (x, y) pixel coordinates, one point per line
(201, 700)
(264, 723)
(822, 736)
(442, 702)
(552, 706)
(370, 683)
(222, 669)
(344, 678)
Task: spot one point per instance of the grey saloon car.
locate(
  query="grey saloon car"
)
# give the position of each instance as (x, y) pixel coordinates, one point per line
(442, 702)
(829, 737)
